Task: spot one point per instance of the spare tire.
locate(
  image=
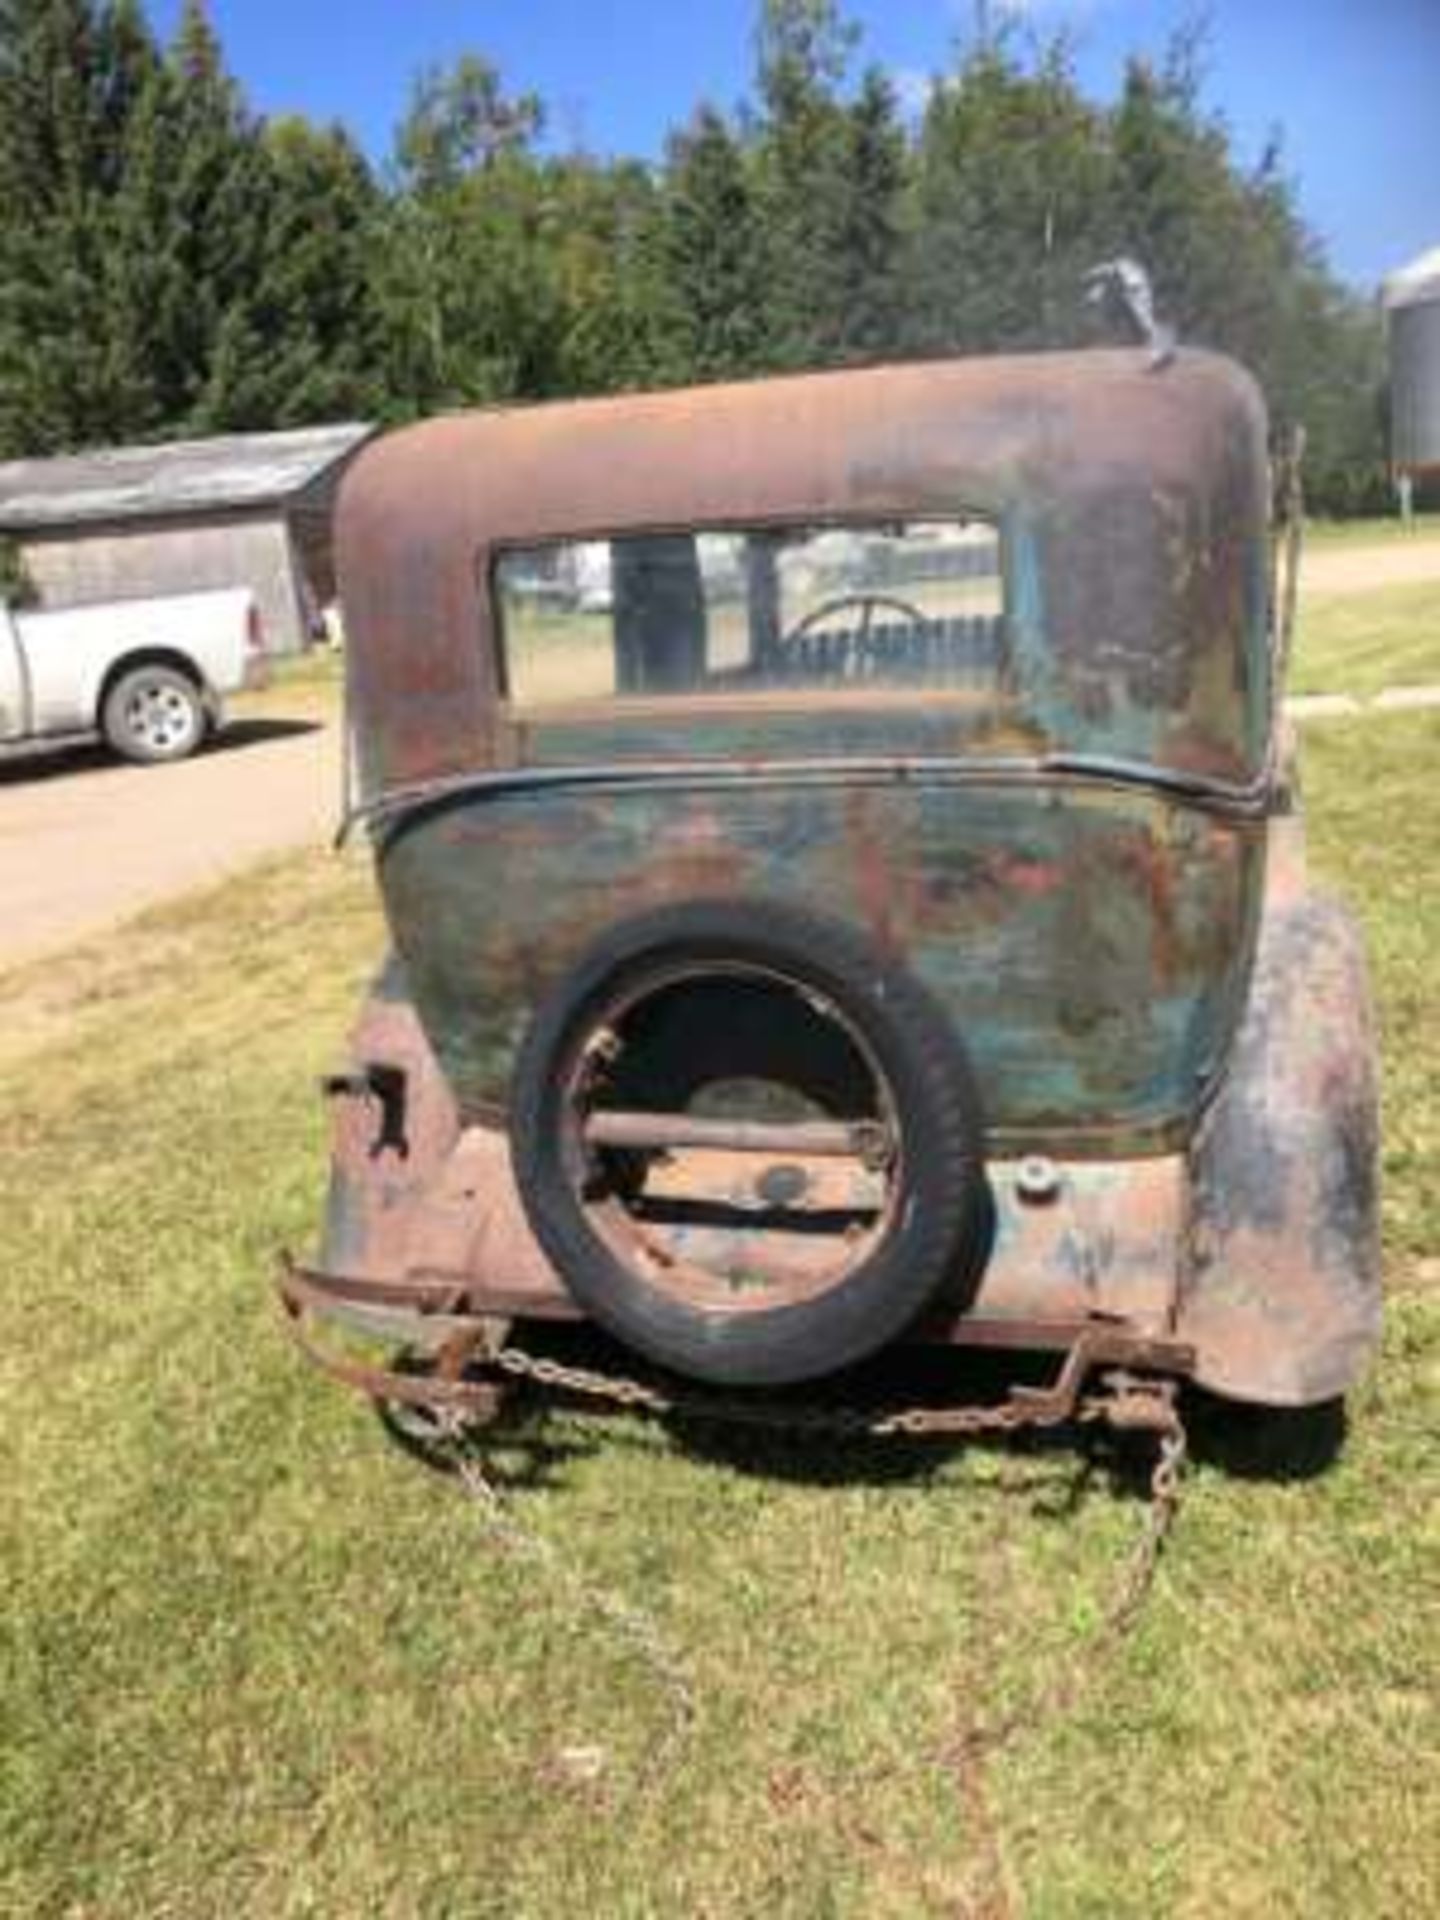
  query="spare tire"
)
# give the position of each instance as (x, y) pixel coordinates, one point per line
(748, 1142)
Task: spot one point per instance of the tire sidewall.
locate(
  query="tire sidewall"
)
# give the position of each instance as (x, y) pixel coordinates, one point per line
(938, 1209)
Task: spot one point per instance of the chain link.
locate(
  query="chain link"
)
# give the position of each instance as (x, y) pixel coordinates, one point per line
(1127, 1403)
(632, 1627)
(624, 1392)
(1058, 1697)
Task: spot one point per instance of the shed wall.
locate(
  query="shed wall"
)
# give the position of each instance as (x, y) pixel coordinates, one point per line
(82, 565)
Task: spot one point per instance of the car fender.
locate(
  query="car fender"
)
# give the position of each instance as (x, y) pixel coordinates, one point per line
(1280, 1294)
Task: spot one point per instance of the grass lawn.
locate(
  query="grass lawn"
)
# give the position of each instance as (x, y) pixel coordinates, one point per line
(257, 1661)
(301, 685)
(1370, 533)
(1362, 642)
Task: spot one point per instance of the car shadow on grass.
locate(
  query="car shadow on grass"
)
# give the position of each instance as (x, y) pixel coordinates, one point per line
(524, 1449)
(1277, 1444)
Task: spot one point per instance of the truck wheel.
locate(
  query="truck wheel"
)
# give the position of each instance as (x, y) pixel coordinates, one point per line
(750, 1144)
(152, 714)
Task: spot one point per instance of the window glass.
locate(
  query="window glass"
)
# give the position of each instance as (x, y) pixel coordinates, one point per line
(908, 604)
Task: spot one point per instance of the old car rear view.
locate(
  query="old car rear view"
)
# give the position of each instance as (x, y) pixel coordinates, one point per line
(846, 887)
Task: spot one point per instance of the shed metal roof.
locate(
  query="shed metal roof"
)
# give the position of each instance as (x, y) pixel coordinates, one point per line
(183, 477)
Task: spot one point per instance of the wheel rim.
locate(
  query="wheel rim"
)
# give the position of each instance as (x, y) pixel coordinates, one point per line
(780, 1211)
(159, 717)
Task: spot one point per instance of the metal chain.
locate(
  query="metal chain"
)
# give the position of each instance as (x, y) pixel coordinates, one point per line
(622, 1391)
(1126, 1403)
(1059, 1697)
(632, 1627)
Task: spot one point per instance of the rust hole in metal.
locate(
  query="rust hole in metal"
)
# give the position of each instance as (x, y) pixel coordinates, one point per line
(733, 1139)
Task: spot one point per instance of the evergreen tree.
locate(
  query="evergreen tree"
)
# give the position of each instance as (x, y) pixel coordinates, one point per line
(830, 173)
(870, 296)
(69, 74)
(1235, 268)
(217, 213)
(800, 156)
(467, 305)
(166, 267)
(714, 253)
(314, 302)
(1012, 184)
(168, 264)
(604, 240)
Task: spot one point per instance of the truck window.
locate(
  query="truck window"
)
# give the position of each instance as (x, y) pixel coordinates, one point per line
(884, 604)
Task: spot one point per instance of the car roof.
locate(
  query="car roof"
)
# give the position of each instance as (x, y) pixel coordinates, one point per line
(1135, 494)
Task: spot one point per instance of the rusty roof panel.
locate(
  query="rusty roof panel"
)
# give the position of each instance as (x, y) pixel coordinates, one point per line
(1131, 501)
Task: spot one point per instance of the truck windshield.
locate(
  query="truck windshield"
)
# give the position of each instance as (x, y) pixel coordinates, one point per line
(911, 604)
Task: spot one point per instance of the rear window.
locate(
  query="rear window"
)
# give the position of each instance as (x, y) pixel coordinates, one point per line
(894, 605)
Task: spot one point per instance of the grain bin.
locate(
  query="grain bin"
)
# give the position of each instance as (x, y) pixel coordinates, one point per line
(1412, 301)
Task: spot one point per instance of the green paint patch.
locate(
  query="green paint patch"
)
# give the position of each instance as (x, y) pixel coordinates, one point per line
(257, 1661)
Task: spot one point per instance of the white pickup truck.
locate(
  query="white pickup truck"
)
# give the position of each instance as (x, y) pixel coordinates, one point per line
(147, 676)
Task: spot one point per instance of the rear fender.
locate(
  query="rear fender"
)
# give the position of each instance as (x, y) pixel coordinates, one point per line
(1280, 1295)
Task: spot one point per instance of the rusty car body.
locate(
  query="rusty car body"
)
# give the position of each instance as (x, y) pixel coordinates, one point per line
(956, 684)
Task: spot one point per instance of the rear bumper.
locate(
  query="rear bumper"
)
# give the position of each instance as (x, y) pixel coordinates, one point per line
(455, 1362)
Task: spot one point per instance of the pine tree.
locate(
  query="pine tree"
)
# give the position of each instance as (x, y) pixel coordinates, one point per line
(712, 247)
(869, 293)
(604, 245)
(217, 222)
(802, 189)
(168, 264)
(1012, 185)
(468, 307)
(243, 254)
(69, 75)
(1235, 268)
(313, 303)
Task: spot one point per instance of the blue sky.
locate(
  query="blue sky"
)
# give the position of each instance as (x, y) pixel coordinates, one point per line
(1353, 84)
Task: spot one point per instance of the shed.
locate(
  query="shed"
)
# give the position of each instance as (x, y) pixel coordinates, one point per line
(250, 509)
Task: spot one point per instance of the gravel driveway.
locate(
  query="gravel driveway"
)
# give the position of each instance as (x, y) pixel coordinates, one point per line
(1391, 563)
(84, 841)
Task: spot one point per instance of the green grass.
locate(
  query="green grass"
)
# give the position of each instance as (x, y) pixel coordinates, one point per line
(1370, 533)
(300, 684)
(1363, 642)
(316, 667)
(258, 1662)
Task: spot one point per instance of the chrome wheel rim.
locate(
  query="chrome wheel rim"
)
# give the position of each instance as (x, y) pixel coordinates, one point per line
(160, 718)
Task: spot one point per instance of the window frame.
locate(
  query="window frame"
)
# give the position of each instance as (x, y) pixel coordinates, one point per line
(694, 704)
